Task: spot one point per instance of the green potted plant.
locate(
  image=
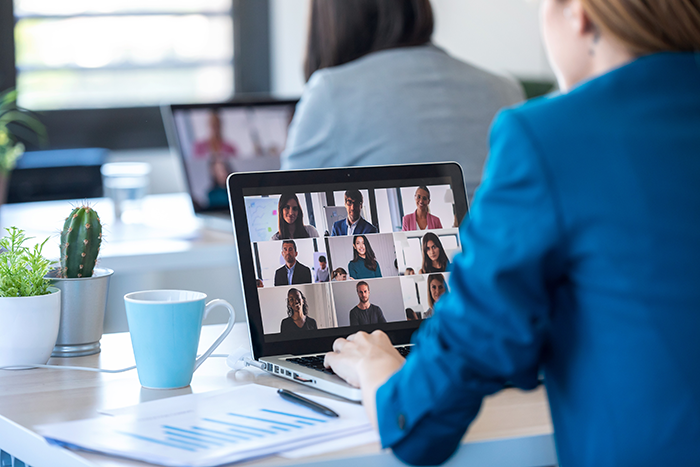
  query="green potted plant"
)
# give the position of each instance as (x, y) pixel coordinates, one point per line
(30, 309)
(11, 149)
(84, 287)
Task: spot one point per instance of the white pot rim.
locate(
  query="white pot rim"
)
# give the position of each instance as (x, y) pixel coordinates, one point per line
(52, 291)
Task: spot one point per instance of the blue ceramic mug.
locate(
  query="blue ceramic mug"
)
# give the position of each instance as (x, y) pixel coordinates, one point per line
(165, 327)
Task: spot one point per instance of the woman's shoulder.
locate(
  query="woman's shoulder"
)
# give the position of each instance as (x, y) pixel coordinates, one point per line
(276, 236)
(311, 230)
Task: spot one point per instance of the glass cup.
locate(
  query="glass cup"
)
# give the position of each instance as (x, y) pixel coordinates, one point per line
(126, 184)
(165, 326)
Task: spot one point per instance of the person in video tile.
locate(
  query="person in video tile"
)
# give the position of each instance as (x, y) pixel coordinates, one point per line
(290, 219)
(436, 289)
(293, 272)
(409, 272)
(364, 264)
(365, 312)
(323, 274)
(421, 218)
(434, 257)
(298, 318)
(340, 274)
(355, 223)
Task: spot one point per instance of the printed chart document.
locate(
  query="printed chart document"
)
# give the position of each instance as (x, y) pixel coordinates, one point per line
(224, 427)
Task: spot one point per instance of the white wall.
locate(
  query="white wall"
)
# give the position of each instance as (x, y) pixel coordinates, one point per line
(499, 35)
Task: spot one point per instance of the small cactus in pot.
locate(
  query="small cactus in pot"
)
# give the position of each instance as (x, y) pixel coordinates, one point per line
(81, 238)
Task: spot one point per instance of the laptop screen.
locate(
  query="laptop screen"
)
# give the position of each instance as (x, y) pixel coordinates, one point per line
(328, 259)
(215, 140)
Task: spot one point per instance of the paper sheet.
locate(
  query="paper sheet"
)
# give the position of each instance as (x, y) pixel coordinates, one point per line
(202, 430)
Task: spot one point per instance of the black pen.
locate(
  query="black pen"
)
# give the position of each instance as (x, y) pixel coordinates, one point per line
(309, 404)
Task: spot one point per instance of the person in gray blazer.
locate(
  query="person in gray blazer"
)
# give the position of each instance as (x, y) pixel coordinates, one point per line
(379, 92)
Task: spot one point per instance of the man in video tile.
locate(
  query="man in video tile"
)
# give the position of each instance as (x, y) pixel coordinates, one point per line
(293, 272)
(365, 312)
(355, 223)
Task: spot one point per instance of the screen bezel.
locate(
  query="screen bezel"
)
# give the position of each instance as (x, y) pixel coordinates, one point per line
(237, 183)
(173, 136)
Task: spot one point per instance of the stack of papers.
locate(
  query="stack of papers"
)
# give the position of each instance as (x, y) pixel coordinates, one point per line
(201, 430)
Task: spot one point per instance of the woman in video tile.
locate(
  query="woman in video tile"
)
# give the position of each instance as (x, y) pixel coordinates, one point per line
(436, 289)
(290, 219)
(298, 318)
(434, 257)
(364, 263)
(421, 218)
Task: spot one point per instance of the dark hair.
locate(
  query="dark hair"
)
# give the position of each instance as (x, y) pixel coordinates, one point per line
(282, 226)
(290, 241)
(370, 259)
(341, 31)
(322, 259)
(435, 277)
(442, 260)
(304, 307)
(354, 195)
(361, 283)
(410, 269)
(337, 272)
(411, 315)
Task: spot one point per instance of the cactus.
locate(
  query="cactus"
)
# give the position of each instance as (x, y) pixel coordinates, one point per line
(80, 242)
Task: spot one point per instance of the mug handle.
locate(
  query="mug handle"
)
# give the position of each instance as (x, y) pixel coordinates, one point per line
(219, 340)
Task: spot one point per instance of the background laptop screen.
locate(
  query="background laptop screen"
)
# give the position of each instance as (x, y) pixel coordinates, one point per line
(386, 274)
(217, 139)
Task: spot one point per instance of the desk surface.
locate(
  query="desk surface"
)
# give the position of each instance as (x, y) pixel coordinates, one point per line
(33, 397)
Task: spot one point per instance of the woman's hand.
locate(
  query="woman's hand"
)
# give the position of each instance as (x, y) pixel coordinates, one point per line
(365, 361)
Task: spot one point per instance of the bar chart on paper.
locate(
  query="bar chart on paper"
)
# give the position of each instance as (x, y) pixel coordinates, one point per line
(204, 431)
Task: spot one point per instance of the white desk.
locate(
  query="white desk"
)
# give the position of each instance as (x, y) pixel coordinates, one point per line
(513, 428)
(169, 249)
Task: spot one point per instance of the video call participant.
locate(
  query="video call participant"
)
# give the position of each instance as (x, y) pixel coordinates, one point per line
(421, 218)
(409, 272)
(365, 312)
(434, 257)
(322, 274)
(340, 274)
(298, 318)
(290, 219)
(436, 289)
(293, 272)
(354, 223)
(364, 264)
(411, 315)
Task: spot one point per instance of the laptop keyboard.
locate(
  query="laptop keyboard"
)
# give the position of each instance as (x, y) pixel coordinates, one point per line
(316, 361)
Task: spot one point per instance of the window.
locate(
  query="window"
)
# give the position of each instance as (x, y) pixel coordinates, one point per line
(82, 54)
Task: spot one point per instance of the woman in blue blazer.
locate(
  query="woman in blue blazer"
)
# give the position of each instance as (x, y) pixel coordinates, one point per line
(583, 257)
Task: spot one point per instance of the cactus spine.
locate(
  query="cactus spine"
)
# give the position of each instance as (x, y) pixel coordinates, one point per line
(80, 242)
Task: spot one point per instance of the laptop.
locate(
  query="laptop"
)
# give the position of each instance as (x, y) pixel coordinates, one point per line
(295, 307)
(214, 140)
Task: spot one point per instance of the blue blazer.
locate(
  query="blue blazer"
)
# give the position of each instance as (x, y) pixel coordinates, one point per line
(363, 227)
(582, 258)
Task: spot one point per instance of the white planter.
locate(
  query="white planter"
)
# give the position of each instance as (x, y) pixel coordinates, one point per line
(29, 328)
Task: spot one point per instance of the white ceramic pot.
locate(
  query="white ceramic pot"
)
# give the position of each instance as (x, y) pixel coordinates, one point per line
(29, 328)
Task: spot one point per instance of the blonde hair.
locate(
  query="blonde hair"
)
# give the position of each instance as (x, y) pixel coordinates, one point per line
(649, 26)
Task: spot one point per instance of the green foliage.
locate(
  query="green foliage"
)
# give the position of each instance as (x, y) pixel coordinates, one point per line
(10, 114)
(22, 269)
(81, 238)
